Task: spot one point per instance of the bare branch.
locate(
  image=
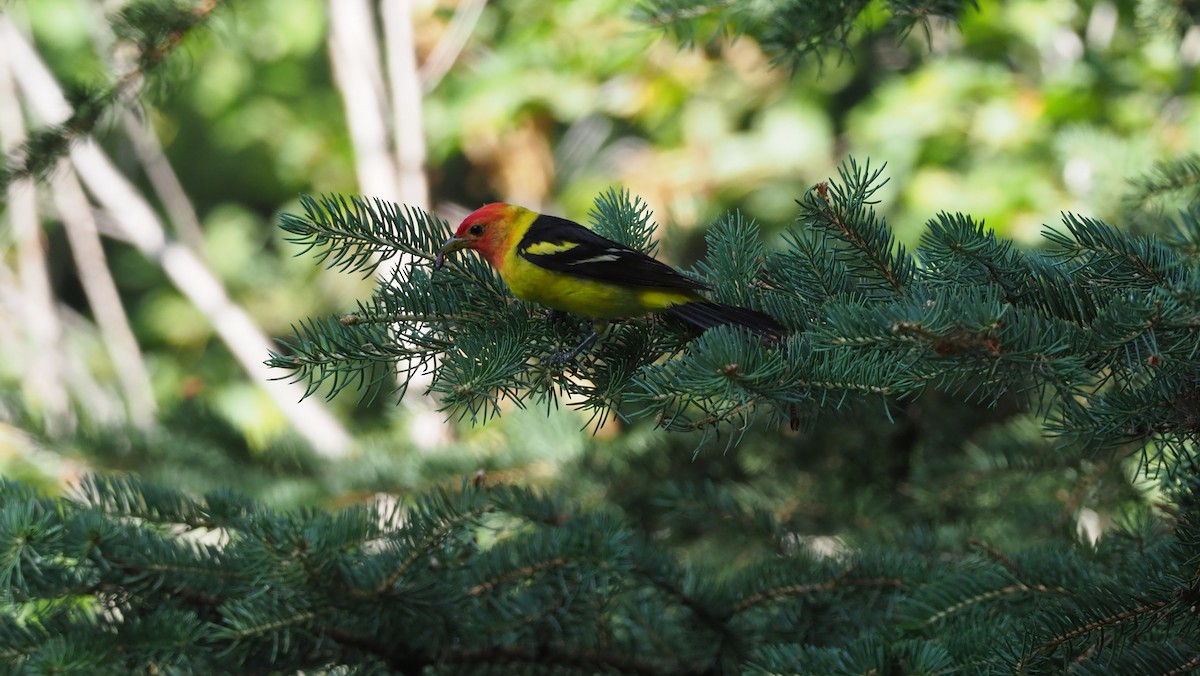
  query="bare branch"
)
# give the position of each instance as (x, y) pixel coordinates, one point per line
(145, 231)
(406, 102)
(354, 53)
(42, 374)
(102, 294)
(446, 52)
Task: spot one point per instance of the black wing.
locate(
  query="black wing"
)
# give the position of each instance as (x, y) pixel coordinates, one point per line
(567, 247)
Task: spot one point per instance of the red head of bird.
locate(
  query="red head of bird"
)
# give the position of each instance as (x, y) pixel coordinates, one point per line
(486, 230)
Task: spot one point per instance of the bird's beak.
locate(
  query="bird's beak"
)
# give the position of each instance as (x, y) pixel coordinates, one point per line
(453, 244)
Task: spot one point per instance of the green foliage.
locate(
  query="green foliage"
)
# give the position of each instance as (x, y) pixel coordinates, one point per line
(124, 576)
(1173, 183)
(791, 31)
(1100, 328)
(153, 29)
(911, 517)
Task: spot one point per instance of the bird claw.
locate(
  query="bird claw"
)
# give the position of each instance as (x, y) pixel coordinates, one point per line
(556, 318)
(567, 357)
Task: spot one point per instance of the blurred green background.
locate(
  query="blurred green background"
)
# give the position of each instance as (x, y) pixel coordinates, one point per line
(1023, 110)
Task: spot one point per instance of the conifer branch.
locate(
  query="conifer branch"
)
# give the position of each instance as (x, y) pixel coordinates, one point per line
(512, 576)
(793, 31)
(996, 555)
(809, 589)
(975, 317)
(422, 547)
(241, 630)
(716, 620)
(1102, 623)
(845, 209)
(1186, 667)
(1167, 178)
(990, 595)
(390, 652)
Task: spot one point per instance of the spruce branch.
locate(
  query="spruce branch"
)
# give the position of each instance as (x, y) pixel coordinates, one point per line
(357, 234)
(1103, 317)
(987, 596)
(845, 210)
(780, 593)
(1099, 624)
(791, 32)
(1184, 668)
(131, 498)
(956, 250)
(1179, 177)
(734, 262)
(624, 217)
(572, 588)
(803, 265)
(429, 523)
(1106, 256)
(571, 657)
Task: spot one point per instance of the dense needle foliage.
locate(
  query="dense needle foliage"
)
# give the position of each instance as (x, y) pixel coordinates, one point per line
(969, 456)
(1098, 328)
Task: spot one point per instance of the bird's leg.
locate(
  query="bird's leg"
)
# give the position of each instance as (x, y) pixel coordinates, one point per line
(599, 328)
(555, 318)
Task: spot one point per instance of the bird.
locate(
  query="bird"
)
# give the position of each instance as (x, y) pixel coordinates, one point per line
(560, 264)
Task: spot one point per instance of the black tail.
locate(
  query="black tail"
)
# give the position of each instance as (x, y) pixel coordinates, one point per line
(706, 315)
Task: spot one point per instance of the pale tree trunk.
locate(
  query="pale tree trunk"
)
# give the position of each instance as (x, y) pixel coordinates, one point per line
(384, 118)
(42, 370)
(140, 226)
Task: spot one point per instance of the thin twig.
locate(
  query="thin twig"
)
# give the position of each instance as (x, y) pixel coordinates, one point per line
(165, 181)
(813, 588)
(103, 296)
(446, 52)
(514, 575)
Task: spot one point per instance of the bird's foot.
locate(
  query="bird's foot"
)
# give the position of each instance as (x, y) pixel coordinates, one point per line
(567, 356)
(557, 319)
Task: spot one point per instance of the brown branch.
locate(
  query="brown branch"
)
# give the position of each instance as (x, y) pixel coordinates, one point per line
(1184, 668)
(996, 554)
(413, 662)
(988, 596)
(715, 621)
(403, 661)
(813, 588)
(526, 571)
(183, 592)
(1101, 623)
(714, 418)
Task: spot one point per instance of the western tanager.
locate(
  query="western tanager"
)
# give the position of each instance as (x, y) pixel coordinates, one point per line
(564, 266)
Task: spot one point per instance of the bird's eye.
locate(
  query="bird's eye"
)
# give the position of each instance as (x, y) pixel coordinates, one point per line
(476, 230)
